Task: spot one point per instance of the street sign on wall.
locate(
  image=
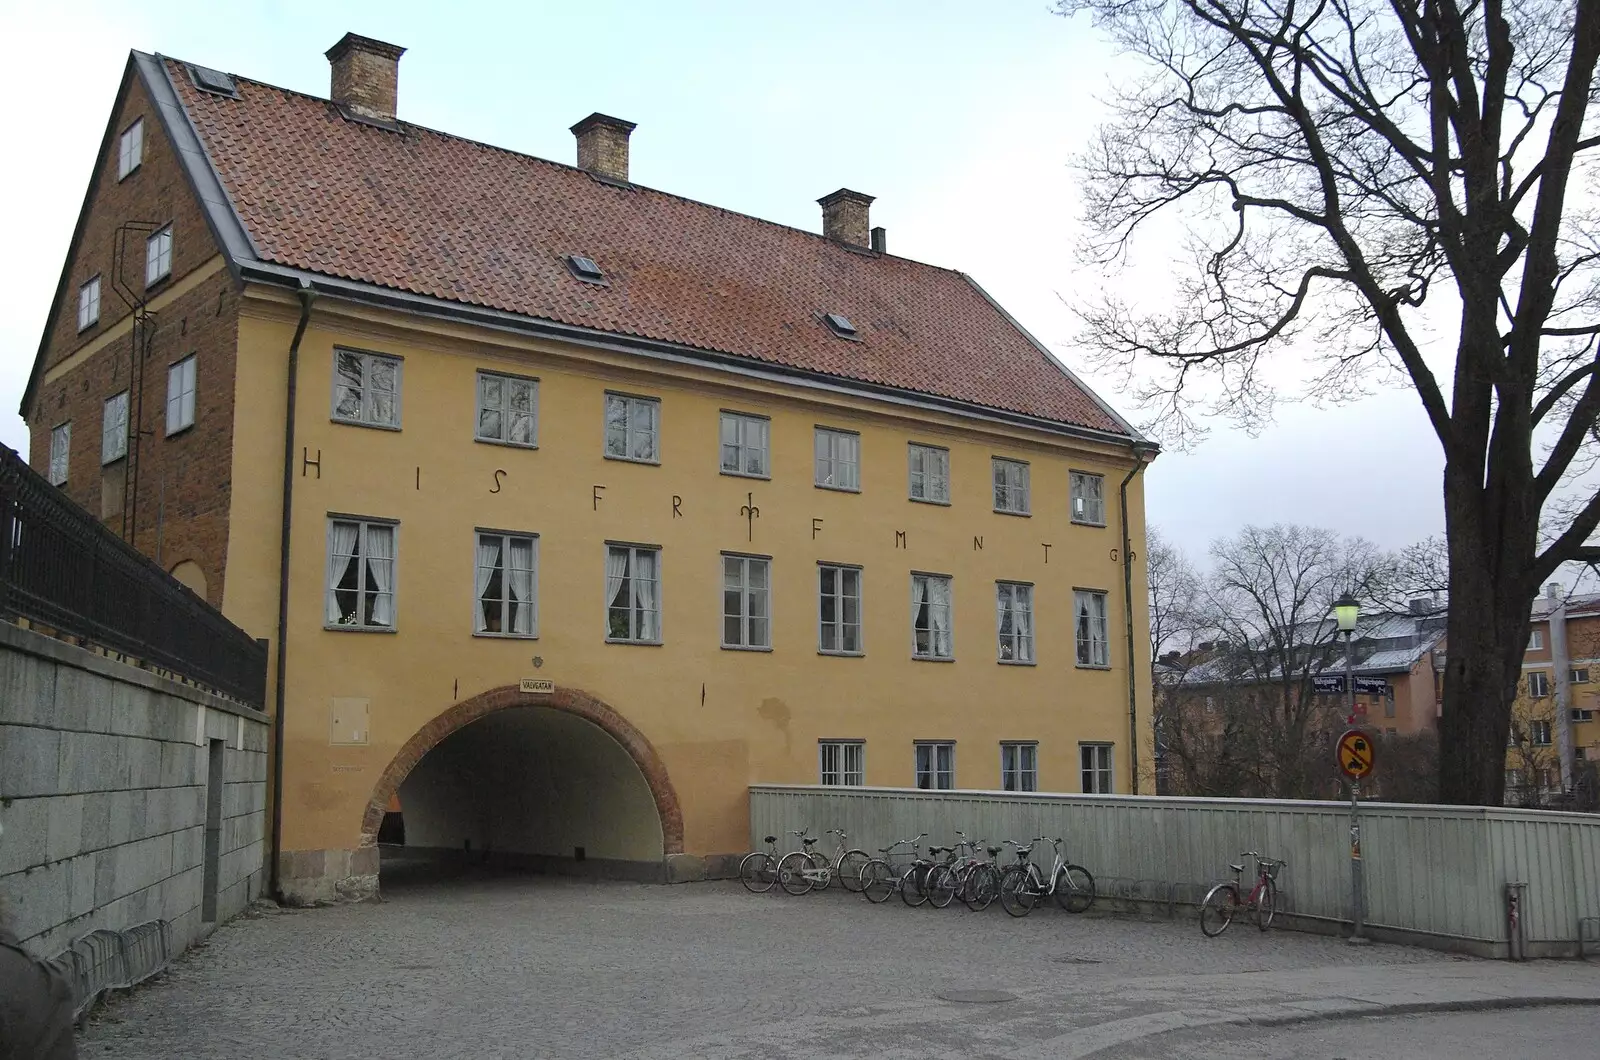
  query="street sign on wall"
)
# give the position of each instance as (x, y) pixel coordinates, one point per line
(1333, 684)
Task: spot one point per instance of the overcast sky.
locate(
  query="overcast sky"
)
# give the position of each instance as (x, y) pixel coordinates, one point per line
(960, 117)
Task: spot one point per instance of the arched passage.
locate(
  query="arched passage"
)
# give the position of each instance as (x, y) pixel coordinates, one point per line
(584, 732)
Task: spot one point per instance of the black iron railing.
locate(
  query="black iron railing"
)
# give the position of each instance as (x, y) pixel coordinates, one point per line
(61, 568)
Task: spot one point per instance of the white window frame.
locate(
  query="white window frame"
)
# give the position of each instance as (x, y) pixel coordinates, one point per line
(934, 764)
(1012, 485)
(507, 540)
(738, 577)
(1536, 640)
(752, 436)
(508, 384)
(837, 459)
(158, 256)
(1095, 652)
(842, 763)
(89, 303)
(631, 432)
(1538, 684)
(842, 572)
(365, 391)
(114, 428)
(928, 484)
(1578, 675)
(1013, 599)
(1096, 768)
(1537, 728)
(182, 387)
(926, 590)
(1019, 765)
(368, 600)
(1088, 506)
(635, 605)
(130, 149)
(60, 453)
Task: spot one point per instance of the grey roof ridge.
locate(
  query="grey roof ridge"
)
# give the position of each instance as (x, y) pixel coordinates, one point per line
(1138, 439)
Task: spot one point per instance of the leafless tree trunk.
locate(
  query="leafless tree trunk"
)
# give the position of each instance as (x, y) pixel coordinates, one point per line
(1335, 163)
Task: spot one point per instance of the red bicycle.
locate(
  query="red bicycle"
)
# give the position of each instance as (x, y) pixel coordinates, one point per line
(1223, 902)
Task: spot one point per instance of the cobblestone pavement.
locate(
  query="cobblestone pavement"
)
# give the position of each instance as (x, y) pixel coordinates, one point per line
(502, 966)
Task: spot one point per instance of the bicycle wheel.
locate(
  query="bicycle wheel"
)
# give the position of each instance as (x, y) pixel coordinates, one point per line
(792, 872)
(1075, 889)
(1268, 904)
(851, 864)
(758, 872)
(983, 886)
(912, 883)
(941, 886)
(877, 880)
(1219, 909)
(824, 868)
(1016, 892)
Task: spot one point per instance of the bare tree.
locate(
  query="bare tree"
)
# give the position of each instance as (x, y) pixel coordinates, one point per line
(1352, 173)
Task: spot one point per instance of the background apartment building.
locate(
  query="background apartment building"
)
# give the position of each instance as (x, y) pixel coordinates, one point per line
(571, 508)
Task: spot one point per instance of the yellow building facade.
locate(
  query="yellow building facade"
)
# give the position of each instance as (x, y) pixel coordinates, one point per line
(561, 593)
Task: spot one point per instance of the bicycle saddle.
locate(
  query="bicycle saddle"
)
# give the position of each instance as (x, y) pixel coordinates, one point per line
(771, 839)
(1236, 868)
(809, 842)
(885, 850)
(994, 852)
(938, 850)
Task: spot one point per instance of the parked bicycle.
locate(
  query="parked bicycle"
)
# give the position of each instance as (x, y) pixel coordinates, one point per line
(802, 870)
(758, 870)
(1224, 902)
(1022, 884)
(881, 876)
(949, 878)
(981, 885)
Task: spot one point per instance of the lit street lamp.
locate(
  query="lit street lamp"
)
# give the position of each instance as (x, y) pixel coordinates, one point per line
(1347, 609)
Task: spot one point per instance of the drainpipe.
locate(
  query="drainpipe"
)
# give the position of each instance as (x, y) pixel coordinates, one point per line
(1561, 667)
(307, 295)
(1143, 454)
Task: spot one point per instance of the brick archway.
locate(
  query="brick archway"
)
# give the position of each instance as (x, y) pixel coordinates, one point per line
(569, 700)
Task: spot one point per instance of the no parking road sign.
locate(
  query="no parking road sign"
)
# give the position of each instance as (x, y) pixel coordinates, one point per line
(1355, 754)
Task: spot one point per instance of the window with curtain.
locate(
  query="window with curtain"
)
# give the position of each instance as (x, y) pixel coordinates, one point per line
(931, 617)
(1096, 768)
(360, 574)
(181, 386)
(60, 453)
(745, 441)
(745, 587)
(114, 428)
(633, 594)
(936, 765)
(1088, 498)
(158, 257)
(1010, 486)
(842, 762)
(1019, 766)
(838, 459)
(930, 473)
(1089, 611)
(366, 388)
(1539, 731)
(839, 609)
(633, 425)
(1538, 684)
(508, 409)
(506, 583)
(1014, 601)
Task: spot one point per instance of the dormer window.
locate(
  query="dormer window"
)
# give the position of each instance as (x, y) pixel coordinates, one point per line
(585, 269)
(840, 325)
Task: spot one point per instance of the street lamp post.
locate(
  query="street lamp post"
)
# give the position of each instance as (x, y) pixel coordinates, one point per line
(1347, 609)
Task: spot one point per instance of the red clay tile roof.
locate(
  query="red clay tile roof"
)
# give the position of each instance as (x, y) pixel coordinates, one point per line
(436, 215)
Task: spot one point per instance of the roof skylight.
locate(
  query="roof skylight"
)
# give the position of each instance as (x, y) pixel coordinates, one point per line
(840, 325)
(585, 268)
(213, 81)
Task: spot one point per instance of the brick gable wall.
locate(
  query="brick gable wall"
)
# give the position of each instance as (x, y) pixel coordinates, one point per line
(182, 486)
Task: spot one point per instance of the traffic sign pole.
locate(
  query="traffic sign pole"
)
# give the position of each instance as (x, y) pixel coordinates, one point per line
(1356, 758)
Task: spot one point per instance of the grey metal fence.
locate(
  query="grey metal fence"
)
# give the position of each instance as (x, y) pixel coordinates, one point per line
(1432, 872)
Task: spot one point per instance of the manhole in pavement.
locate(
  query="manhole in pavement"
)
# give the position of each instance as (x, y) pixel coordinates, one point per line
(975, 997)
(1076, 960)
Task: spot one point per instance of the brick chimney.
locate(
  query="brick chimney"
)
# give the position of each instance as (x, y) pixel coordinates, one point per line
(844, 217)
(603, 145)
(366, 75)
